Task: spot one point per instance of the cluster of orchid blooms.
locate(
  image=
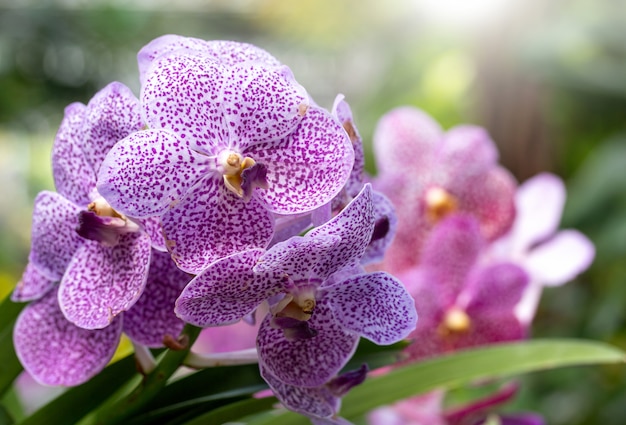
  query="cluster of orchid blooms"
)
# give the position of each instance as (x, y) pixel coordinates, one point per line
(225, 189)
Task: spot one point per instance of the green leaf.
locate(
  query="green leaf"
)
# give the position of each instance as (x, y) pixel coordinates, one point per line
(464, 367)
(234, 411)
(78, 401)
(10, 366)
(9, 311)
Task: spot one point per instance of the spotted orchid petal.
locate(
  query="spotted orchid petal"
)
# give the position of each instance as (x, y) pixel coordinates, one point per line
(450, 252)
(354, 225)
(74, 176)
(227, 290)
(311, 401)
(111, 115)
(385, 225)
(561, 258)
(152, 317)
(341, 110)
(307, 362)
(102, 282)
(148, 172)
(490, 198)
(375, 305)
(32, 286)
(539, 202)
(53, 240)
(211, 223)
(233, 52)
(404, 140)
(299, 258)
(496, 289)
(55, 351)
(307, 168)
(152, 226)
(466, 150)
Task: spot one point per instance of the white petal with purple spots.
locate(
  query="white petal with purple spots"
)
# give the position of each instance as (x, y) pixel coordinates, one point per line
(33, 285)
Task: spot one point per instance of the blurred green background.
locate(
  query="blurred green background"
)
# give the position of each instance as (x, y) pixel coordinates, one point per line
(547, 78)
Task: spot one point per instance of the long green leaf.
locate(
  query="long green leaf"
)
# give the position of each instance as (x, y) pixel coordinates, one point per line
(9, 312)
(10, 366)
(234, 411)
(462, 368)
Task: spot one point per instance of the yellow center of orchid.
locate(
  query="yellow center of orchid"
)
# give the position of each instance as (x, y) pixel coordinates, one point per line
(102, 208)
(439, 203)
(455, 322)
(231, 165)
(299, 307)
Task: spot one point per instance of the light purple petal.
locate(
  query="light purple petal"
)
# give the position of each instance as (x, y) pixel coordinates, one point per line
(466, 150)
(148, 172)
(286, 226)
(153, 228)
(307, 362)
(111, 115)
(307, 168)
(539, 202)
(374, 305)
(341, 110)
(211, 222)
(152, 317)
(404, 140)
(55, 351)
(526, 308)
(102, 282)
(33, 285)
(450, 252)
(54, 239)
(354, 225)
(316, 401)
(227, 291)
(384, 213)
(183, 94)
(74, 177)
(495, 289)
(561, 258)
(234, 52)
(299, 258)
(261, 103)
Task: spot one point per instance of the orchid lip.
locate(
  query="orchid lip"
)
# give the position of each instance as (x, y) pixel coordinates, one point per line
(439, 203)
(241, 174)
(101, 223)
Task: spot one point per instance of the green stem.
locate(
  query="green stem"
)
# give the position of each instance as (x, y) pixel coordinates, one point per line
(131, 404)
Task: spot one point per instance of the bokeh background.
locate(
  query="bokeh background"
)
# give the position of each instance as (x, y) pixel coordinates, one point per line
(547, 78)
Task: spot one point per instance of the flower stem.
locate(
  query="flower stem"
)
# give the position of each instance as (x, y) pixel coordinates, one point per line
(144, 358)
(233, 358)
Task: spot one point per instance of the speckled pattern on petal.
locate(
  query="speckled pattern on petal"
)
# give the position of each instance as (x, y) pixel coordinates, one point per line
(183, 94)
(102, 282)
(496, 288)
(374, 305)
(316, 401)
(354, 224)
(148, 172)
(233, 52)
(308, 362)
(56, 352)
(383, 209)
(111, 115)
(341, 110)
(227, 291)
(152, 226)
(211, 222)
(33, 285)
(54, 239)
(74, 176)
(300, 258)
(466, 150)
(260, 103)
(309, 167)
(152, 317)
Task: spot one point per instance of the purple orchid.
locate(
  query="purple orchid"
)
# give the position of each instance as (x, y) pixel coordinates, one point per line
(100, 256)
(428, 174)
(549, 257)
(228, 144)
(320, 300)
(419, 410)
(461, 302)
(57, 352)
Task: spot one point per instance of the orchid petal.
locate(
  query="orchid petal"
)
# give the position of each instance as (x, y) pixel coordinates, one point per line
(53, 240)
(102, 282)
(74, 177)
(384, 212)
(466, 150)
(307, 362)
(152, 226)
(148, 172)
(561, 258)
(211, 222)
(233, 52)
(374, 305)
(33, 285)
(539, 202)
(152, 316)
(55, 351)
(496, 289)
(307, 168)
(111, 115)
(227, 290)
(341, 110)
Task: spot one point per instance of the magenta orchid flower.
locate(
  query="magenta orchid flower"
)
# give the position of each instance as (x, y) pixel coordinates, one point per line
(461, 302)
(320, 300)
(428, 174)
(550, 257)
(227, 145)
